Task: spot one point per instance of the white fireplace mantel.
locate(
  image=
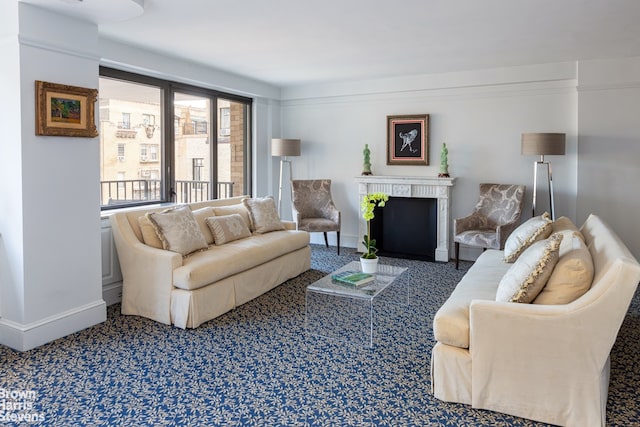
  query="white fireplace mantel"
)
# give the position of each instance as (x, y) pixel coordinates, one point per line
(414, 187)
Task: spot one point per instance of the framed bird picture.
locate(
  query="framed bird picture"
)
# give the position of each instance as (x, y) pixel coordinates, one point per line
(408, 140)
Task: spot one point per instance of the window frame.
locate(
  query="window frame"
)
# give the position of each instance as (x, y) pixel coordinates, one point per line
(167, 145)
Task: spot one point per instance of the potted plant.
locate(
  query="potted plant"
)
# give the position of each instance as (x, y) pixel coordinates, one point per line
(369, 259)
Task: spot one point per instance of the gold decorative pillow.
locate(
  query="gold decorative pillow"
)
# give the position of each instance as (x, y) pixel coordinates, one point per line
(239, 209)
(228, 228)
(528, 275)
(566, 226)
(263, 214)
(149, 235)
(201, 216)
(527, 233)
(178, 230)
(572, 275)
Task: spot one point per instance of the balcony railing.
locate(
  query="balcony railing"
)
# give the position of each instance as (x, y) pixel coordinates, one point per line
(138, 191)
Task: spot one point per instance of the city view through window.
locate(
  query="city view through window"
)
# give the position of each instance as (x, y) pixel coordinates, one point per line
(141, 164)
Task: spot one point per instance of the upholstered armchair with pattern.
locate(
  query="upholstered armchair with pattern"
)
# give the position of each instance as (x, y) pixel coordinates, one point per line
(313, 208)
(495, 216)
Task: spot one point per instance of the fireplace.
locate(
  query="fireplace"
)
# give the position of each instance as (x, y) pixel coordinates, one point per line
(407, 228)
(408, 191)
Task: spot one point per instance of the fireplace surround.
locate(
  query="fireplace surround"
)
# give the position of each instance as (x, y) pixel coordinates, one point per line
(413, 187)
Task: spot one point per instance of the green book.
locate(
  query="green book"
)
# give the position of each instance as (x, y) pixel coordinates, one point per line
(353, 278)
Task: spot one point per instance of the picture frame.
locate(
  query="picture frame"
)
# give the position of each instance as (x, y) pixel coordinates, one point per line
(64, 110)
(408, 140)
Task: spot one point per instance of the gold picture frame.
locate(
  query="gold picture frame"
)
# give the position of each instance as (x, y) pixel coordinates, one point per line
(408, 140)
(63, 110)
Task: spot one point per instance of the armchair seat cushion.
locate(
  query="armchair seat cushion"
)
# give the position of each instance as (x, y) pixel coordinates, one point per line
(478, 238)
(318, 224)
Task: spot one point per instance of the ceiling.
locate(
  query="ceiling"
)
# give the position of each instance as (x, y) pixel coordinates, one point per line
(296, 42)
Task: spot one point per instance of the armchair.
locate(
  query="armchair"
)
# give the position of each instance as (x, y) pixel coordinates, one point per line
(313, 208)
(494, 217)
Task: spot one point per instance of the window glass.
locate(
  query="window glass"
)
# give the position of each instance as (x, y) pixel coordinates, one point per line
(126, 178)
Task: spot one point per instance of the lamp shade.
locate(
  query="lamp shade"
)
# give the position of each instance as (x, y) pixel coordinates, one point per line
(285, 147)
(541, 144)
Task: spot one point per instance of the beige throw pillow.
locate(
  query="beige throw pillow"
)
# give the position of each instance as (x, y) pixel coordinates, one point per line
(527, 233)
(149, 235)
(567, 226)
(239, 209)
(527, 276)
(263, 214)
(201, 216)
(572, 275)
(178, 230)
(228, 228)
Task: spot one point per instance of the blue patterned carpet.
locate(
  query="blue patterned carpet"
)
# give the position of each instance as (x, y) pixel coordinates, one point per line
(258, 366)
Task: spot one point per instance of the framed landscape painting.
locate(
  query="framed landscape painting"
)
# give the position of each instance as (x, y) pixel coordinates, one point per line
(408, 140)
(63, 110)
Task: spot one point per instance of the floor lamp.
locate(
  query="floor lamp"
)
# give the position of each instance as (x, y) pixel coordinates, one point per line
(284, 148)
(541, 144)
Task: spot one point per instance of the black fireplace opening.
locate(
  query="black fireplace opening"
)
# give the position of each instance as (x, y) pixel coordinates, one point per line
(407, 228)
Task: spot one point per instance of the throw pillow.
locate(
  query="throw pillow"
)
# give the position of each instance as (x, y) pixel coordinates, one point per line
(201, 216)
(228, 228)
(263, 214)
(527, 276)
(178, 230)
(572, 275)
(231, 209)
(149, 235)
(527, 233)
(566, 226)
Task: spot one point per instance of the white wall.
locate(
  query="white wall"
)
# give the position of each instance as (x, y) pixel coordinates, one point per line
(51, 230)
(609, 145)
(480, 115)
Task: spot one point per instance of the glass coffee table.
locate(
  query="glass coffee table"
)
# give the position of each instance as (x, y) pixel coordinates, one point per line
(345, 312)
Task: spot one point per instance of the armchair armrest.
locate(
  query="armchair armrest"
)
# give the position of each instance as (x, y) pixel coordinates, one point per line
(473, 221)
(503, 231)
(147, 273)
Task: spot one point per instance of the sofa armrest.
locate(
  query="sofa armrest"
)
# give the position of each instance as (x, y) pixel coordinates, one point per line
(147, 273)
(289, 225)
(530, 359)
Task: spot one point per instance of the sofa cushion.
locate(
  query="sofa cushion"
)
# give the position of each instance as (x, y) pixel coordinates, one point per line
(227, 228)
(263, 214)
(219, 262)
(528, 275)
(527, 233)
(149, 235)
(239, 209)
(201, 216)
(451, 322)
(572, 275)
(178, 230)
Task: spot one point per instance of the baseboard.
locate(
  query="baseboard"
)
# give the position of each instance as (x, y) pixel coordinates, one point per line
(112, 293)
(25, 337)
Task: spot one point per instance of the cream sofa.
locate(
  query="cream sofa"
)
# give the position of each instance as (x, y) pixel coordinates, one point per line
(548, 363)
(187, 291)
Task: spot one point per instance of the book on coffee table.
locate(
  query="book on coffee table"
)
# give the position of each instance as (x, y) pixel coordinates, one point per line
(353, 278)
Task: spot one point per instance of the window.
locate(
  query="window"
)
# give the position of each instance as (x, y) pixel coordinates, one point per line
(197, 169)
(225, 121)
(170, 126)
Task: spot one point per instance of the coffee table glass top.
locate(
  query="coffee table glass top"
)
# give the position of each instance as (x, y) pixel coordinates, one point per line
(385, 275)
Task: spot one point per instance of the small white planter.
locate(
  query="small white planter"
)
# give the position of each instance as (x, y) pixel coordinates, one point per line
(369, 265)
